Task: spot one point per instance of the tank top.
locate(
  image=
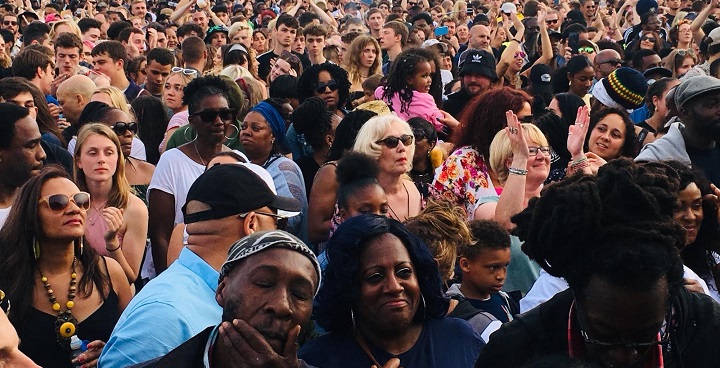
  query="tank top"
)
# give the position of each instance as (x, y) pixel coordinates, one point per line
(38, 337)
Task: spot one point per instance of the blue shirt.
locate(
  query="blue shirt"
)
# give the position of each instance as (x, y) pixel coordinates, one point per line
(446, 342)
(172, 308)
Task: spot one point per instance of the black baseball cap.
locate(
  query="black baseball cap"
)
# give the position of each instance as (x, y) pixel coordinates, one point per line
(541, 78)
(232, 189)
(478, 62)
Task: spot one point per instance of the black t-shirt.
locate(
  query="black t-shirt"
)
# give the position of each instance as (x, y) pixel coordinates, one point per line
(265, 62)
(309, 167)
(495, 305)
(708, 161)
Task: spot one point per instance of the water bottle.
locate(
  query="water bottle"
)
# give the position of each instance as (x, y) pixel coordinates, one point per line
(77, 347)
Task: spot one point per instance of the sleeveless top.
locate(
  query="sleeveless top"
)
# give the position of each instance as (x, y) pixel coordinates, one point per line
(38, 337)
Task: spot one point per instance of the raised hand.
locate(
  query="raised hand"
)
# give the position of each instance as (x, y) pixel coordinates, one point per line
(577, 132)
(114, 219)
(516, 135)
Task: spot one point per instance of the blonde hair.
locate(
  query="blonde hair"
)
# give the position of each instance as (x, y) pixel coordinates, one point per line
(442, 227)
(69, 23)
(120, 191)
(353, 56)
(237, 27)
(501, 149)
(252, 90)
(374, 130)
(669, 61)
(117, 98)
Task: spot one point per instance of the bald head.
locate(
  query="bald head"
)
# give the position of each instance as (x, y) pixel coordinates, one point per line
(605, 62)
(73, 94)
(479, 37)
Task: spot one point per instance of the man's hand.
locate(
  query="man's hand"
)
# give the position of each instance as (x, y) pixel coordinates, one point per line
(248, 348)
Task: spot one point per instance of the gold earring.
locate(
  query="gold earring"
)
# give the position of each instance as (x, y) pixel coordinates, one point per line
(36, 248)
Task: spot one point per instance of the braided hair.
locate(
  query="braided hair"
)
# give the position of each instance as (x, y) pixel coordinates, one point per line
(313, 120)
(403, 68)
(617, 226)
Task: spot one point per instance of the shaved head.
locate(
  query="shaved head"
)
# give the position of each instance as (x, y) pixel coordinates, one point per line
(73, 94)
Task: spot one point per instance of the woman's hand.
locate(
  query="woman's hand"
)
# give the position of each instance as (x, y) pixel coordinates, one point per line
(516, 135)
(595, 162)
(89, 358)
(693, 285)
(577, 133)
(449, 120)
(114, 219)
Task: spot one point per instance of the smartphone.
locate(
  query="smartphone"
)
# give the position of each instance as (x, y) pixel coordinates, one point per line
(441, 31)
(469, 11)
(573, 42)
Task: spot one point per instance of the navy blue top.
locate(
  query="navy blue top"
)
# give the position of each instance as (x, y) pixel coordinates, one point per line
(448, 342)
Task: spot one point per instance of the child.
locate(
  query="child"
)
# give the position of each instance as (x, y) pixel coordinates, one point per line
(406, 89)
(484, 267)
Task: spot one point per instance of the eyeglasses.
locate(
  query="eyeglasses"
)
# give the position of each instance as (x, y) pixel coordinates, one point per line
(544, 149)
(209, 115)
(392, 142)
(178, 69)
(121, 127)
(281, 220)
(649, 39)
(9, 22)
(332, 84)
(640, 346)
(59, 202)
(587, 50)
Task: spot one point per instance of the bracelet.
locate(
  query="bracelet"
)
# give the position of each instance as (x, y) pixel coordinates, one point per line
(578, 161)
(512, 39)
(113, 250)
(579, 166)
(516, 171)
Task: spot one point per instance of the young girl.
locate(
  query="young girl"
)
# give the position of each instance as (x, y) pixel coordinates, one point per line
(406, 90)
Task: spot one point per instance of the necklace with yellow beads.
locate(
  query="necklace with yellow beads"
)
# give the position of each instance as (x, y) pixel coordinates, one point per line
(65, 323)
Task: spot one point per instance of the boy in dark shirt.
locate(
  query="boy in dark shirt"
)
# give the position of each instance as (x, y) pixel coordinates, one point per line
(484, 266)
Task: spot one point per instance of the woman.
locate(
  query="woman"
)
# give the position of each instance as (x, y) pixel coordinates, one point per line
(259, 41)
(152, 120)
(650, 41)
(464, 178)
(117, 219)
(99, 112)
(178, 168)
(287, 63)
(562, 114)
(323, 196)
(575, 77)
(363, 59)
(213, 63)
(655, 102)
(681, 35)
(111, 96)
(262, 134)
(317, 126)
(389, 140)
(62, 26)
(327, 81)
(136, 69)
(173, 97)
(680, 61)
(138, 172)
(382, 300)
(612, 134)
(460, 11)
(425, 136)
(42, 247)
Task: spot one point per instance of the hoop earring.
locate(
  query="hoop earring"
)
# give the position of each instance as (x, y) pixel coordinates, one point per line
(186, 136)
(422, 299)
(237, 132)
(352, 318)
(36, 248)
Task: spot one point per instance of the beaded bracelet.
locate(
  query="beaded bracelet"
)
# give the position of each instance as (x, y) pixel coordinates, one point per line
(516, 171)
(578, 161)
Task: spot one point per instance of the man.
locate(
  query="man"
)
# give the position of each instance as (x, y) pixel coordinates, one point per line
(479, 38)
(68, 48)
(374, 21)
(589, 10)
(201, 19)
(187, 30)
(37, 67)
(393, 39)
(36, 33)
(10, 22)
(694, 141)
(645, 59)
(133, 39)
(284, 34)
(194, 53)
(90, 29)
(73, 95)
(109, 59)
(315, 39)
(221, 11)
(257, 319)
(423, 21)
(713, 40)
(160, 62)
(21, 154)
(477, 70)
(180, 302)
(605, 62)
(552, 20)
(138, 8)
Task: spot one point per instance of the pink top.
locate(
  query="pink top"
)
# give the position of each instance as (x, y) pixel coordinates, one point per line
(422, 105)
(95, 229)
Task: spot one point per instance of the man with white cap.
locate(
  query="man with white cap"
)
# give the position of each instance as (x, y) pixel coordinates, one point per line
(224, 204)
(266, 291)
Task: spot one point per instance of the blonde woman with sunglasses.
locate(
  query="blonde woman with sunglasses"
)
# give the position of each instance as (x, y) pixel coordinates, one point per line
(172, 98)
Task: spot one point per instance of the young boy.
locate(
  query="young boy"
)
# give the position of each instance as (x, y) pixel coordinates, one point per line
(484, 268)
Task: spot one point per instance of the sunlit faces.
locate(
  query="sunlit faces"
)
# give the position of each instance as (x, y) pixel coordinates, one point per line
(687, 64)
(689, 212)
(281, 67)
(370, 199)
(581, 81)
(486, 272)
(330, 96)
(104, 64)
(25, 155)
(66, 224)
(607, 138)
(173, 91)
(368, 55)
(98, 158)
(396, 160)
(285, 35)
(315, 45)
(422, 79)
(299, 44)
(256, 136)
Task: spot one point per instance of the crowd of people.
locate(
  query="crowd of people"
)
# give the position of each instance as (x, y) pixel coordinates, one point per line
(332, 183)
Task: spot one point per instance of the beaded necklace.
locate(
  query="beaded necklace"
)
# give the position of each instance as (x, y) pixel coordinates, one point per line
(66, 323)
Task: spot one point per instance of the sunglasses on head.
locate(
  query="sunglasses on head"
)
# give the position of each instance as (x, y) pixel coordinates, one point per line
(177, 69)
(392, 142)
(209, 115)
(320, 86)
(59, 202)
(121, 127)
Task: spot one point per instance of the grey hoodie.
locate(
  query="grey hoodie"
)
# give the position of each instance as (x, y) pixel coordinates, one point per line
(669, 147)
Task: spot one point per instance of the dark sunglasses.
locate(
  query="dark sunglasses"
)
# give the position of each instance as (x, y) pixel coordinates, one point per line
(320, 86)
(551, 21)
(651, 39)
(281, 220)
(9, 22)
(209, 115)
(613, 62)
(419, 135)
(120, 128)
(392, 142)
(59, 202)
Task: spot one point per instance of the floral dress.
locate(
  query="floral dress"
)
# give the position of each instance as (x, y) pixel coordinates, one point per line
(463, 180)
